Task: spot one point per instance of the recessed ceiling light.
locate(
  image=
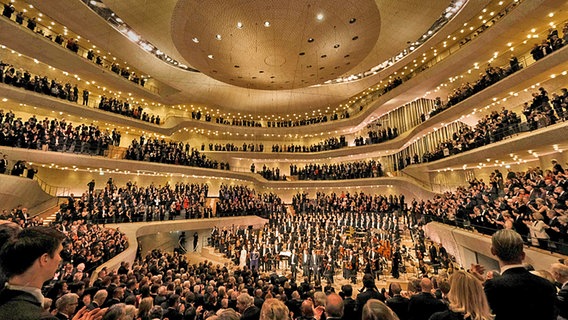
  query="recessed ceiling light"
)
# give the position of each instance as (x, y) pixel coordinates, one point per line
(210, 56)
(355, 38)
(267, 24)
(237, 66)
(336, 46)
(310, 40)
(352, 20)
(239, 25)
(195, 40)
(319, 16)
(218, 37)
(302, 53)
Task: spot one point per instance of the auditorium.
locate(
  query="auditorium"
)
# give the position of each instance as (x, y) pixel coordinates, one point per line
(151, 165)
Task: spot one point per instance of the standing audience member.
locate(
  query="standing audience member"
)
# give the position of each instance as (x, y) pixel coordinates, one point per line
(398, 303)
(422, 305)
(376, 310)
(467, 299)
(369, 292)
(28, 259)
(517, 294)
(560, 274)
(274, 309)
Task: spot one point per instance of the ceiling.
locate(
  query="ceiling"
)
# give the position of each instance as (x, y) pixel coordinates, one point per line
(257, 69)
(274, 44)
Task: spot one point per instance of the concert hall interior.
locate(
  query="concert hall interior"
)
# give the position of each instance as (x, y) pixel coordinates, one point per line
(312, 143)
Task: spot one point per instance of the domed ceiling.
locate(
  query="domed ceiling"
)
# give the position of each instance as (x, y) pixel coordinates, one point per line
(275, 44)
(249, 68)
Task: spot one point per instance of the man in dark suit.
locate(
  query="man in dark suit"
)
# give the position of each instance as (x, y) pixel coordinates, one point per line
(560, 274)
(334, 306)
(369, 292)
(245, 304)
(28, 260)
(66, 306)
(398, 303)
(3, 164)
(173, 312)
(517, 294)
(349, 305)
(294, 264)
(421, 306)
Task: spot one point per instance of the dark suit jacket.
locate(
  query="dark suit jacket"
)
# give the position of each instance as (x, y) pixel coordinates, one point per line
(349, 307)
(399, 305)
(251, 313)
(517, 294)
(365, 296)
(61, 316)
(562, 302)
(172, 314)
(423, 305)
(20, 305)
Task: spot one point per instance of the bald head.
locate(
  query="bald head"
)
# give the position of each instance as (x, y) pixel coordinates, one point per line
(307, 308)
(426, 285)
(334, 306)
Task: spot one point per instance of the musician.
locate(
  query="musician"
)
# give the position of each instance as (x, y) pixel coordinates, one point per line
(315, 265)
(254, 257)
(306, 263)
(294, 264)
(328, 270)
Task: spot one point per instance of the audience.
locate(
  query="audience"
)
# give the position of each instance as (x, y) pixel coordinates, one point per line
(332, 143)
(342, 171)
(55, 135)
(240, 200)
(154, 150)
(71, 44)
(377, 136)
(124, 108)
(133, 203)
(517, 294)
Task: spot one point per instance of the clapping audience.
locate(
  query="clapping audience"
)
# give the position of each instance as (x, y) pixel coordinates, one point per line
(133, 203)
(332, 143)
(54, 135)
(250, 147)
(161, 151)
(533, 203)
(342, 171)
(124, 108)
(241, 200)
(71, 44)
(377, 136)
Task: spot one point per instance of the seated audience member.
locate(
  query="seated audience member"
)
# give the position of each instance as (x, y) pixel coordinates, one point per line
(376, 310)
(467, 299)
(517, 294)
(422, 305)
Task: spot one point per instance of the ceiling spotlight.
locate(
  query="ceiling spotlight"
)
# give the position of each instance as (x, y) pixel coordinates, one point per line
(310, 40)
(336, 46)
(319, 16)
(352, 20)
(210, 56)
(239, 25)
(267, 24)
(195, 40)
(218, 37)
